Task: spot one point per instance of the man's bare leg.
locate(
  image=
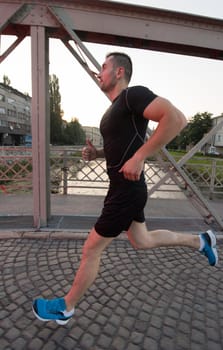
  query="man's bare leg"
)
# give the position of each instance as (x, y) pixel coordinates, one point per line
(89, 266)
(62, 309)
(141, 238)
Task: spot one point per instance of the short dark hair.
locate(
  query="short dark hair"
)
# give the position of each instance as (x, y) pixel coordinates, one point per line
(122, 60)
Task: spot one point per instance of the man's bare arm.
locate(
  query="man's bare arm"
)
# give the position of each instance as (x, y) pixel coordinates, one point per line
(170, 122)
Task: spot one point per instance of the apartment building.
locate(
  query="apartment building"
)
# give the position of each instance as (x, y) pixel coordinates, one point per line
(218, 137)
(15, 116)
(93, 134)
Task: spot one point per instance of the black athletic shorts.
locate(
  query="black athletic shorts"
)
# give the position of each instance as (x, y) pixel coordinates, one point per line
(124, 203)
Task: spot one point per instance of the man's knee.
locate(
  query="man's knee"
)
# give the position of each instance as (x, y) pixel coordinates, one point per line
(139, 236)
(95, 244)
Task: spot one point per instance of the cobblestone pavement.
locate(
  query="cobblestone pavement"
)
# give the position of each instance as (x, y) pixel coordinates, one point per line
(167, 299)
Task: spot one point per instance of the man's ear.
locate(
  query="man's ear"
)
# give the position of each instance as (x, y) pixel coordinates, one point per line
(120, 72)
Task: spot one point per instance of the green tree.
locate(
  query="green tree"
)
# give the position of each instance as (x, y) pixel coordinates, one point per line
(56, 113)
(181, 141)
(6, 80)
(199, 125)
(73, 134)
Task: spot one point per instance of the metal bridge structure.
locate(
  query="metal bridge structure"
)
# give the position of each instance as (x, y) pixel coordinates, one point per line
(104, 22)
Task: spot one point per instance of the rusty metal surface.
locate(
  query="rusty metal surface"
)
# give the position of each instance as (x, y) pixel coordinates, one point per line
(120, 24)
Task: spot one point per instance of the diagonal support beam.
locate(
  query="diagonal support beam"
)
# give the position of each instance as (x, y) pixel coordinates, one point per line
(188, 155)
(20, 13)
(65, 21)
(201, 143)
(11, 48)
(191, 191)
(81, 61)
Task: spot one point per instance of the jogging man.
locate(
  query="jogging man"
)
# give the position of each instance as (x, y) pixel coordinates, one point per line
(123, 128)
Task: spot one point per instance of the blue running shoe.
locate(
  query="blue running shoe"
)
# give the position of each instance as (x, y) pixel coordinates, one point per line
(52, 310)
(208, 247)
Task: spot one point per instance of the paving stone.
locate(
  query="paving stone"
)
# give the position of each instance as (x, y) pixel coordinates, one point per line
(19, 311)
(19, 344)
(124, 332)
(104, 341)
(169, 331)
(118, 343)
(59, 335)
(115, 320)
(51, 345)
(12, 334)
(214, 345)
(150, 343)
(132, 347)
(87, 341)
(154, 333)
(36, 344)
(183, 341)
(141, 300)
(5, 344)
(68, 343)
(94, 329)
(167, 343)
(78, 332)
(110, 330)
(137, 337)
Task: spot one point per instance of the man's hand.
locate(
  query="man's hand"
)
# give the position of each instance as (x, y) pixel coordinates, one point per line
(132, 169)
(89, 152)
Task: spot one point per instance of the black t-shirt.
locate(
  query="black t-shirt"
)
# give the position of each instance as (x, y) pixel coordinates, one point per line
(123, 126)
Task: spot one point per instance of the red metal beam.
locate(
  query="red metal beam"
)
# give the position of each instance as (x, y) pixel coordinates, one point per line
(141, 27)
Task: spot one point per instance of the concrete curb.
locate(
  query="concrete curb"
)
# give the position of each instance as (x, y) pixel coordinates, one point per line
(58, 235)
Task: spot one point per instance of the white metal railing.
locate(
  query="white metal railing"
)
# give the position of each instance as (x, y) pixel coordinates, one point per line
(15, 169)
(70, 174)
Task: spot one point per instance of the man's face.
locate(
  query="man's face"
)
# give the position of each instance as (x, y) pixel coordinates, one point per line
(107, 76)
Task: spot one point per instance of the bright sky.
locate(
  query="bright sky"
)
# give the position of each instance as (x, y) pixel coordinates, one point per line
(192, 84)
